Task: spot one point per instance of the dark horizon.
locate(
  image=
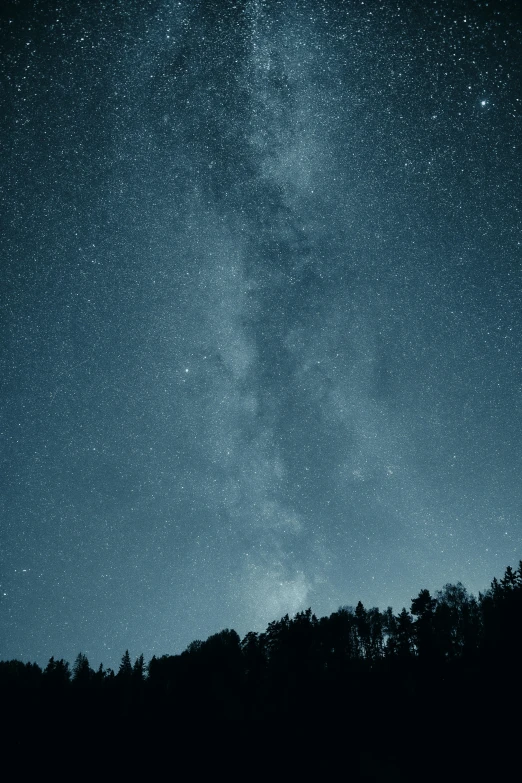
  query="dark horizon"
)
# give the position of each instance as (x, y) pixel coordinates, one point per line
(449, 628)
(439, 596)
(393, 694)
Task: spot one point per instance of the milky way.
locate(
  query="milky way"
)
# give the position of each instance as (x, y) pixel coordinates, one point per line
(261, 314)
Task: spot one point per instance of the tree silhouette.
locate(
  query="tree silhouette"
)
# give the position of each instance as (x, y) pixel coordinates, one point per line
(363, 670)
(405, 635)
(423, 608)
(57, 673)
(138, 670)
(125, 670)
(82, 673)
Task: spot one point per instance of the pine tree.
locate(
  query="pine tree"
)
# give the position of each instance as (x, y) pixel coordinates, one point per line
(82, 672)
(125, 670)
(138, 670)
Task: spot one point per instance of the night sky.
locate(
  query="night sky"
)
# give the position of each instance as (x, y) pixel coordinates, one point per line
(261, 313)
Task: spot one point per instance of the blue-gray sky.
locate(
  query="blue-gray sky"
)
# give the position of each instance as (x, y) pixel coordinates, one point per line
(260, 313)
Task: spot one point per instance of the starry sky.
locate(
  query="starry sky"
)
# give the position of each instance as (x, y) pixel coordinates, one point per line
(261, 311)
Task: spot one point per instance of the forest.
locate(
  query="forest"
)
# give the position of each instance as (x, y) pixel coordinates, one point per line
(446, 673)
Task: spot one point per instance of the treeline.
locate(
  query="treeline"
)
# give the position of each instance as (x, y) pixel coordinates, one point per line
(264, 671)
(452, 659)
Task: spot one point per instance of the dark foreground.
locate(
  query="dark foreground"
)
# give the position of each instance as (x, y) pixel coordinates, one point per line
(430, 694)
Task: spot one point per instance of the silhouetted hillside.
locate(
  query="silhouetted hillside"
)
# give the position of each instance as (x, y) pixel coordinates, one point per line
(419, 687)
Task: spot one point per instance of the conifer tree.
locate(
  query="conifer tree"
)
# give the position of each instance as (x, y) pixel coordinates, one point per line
(125, 670)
